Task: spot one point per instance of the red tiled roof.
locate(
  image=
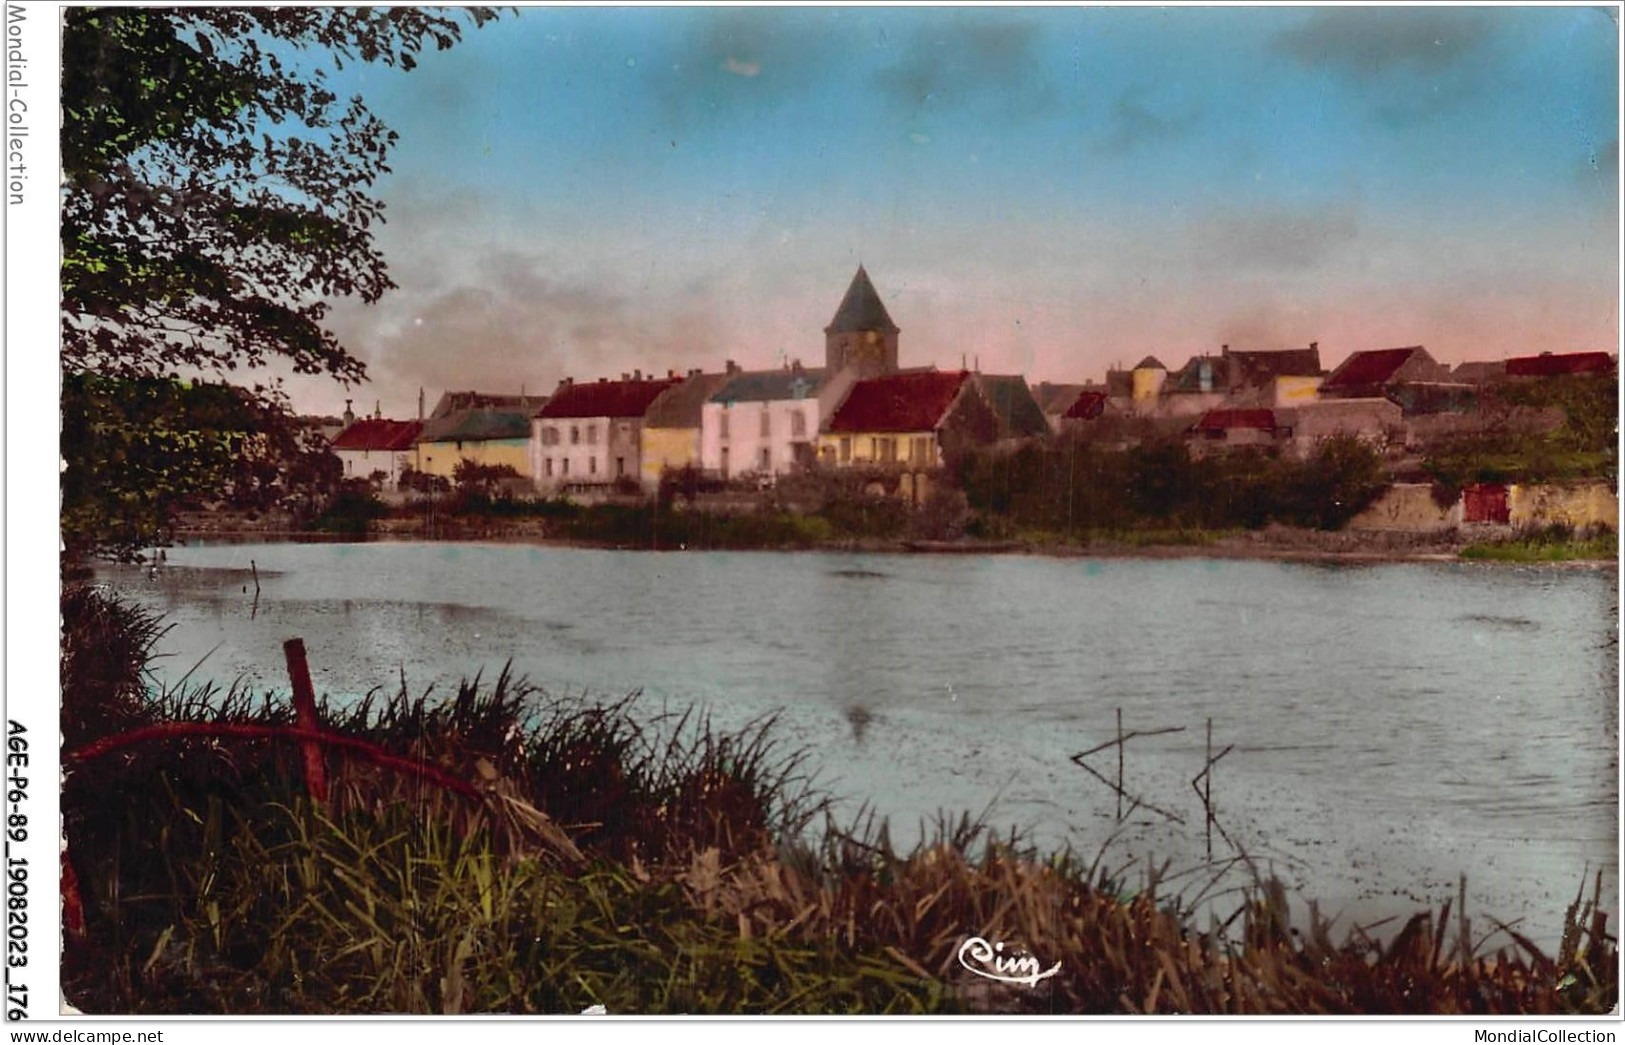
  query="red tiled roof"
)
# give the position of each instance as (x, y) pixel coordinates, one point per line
(1370, 368)
(605, 398)
(899, 402)
(1087, 407)
(1220, 420)
(1548, 365)
(373, 433)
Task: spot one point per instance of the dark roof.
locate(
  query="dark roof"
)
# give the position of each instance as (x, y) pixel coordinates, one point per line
(1188, 378)
(476, 424)
(861, 309)
(761, 386)
(605, 398)
(451, 402)
(1150, 363)
(376, 433)
(1013, 404)
(913, 402)
(1261, 366)
(1220, 420)
(1373, 367)
(1056, 398)
(680, 405)
(1548, 365)
(1087, 406)
(1119, 383)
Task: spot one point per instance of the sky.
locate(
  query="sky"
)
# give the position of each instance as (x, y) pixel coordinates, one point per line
(1048, 191)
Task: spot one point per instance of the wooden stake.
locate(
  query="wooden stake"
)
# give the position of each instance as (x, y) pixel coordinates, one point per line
(304, 707)
(1119, 765)
(1207, 784)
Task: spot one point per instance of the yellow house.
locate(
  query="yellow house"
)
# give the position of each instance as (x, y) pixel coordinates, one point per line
(484, 436)
(907, 420)
(671, 428)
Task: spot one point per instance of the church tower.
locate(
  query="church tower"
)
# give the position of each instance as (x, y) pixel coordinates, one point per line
(861, 335)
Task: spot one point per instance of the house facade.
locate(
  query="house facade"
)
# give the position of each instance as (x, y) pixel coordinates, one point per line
(907, 421)
(767, 422)
(373, 445)
(484, 428)
(672, 427)
(591, 434)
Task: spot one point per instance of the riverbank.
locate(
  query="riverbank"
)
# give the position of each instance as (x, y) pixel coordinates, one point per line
(1274, 543)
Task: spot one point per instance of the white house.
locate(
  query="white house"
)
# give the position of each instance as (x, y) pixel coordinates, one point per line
(591, 434)
(766, 422)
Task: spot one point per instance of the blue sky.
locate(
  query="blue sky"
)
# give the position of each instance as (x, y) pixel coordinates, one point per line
(583, 191)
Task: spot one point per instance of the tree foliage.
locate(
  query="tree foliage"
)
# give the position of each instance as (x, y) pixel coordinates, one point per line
(216, 194)
(144, 448)
(217, 197)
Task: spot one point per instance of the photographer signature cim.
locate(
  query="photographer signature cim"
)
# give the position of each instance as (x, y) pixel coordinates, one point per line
(988, 960)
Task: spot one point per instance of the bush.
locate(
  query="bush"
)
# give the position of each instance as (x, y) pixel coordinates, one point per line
(352, 509)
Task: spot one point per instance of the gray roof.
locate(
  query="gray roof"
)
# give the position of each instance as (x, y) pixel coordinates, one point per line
(761, 386)
(679, 406)
(476, 424)
(861, 309)
(1012, 401)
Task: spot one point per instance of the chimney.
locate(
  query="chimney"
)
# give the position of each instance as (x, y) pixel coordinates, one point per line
(603, 380)
(420, 402)
(1314, 346)
(732, 367)
(625, 376)
(795, 367)
(377, 409)
(1224, 350)
(637, 375)
(670, 373)
(349, 415)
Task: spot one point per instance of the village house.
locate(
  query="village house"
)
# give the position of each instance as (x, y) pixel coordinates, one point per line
(1548, 364)
(484, 428)
(376, 447)
(1056, 400)
(672, 426)
(1272, 377)
(591, 434)
(1380, 373)
(766, 422)
(1301, 428)
(1018, 413)
(908, 421)
(1221, 430)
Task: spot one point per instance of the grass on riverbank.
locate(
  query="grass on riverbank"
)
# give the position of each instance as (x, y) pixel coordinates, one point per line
(650, 867)
(1556, 543)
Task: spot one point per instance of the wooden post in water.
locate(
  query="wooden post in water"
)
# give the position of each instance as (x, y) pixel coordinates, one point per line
(1207, 789)
(1119, 765)
(256, 571)
(304, 707)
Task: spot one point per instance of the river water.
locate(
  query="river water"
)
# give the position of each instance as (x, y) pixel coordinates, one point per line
(1395, 725)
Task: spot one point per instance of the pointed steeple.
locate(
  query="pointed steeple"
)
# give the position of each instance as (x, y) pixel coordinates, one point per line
(861, 309)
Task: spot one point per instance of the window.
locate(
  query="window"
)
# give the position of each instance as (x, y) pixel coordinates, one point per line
(798, 424)
(767, 424)
(725, 462)
(767, 459)
(724, 423)
(592, 435)
(846, 448)
(550, 436)
(564, 464)
(888, 450)
(592, 464)
(548, 465)
(620, 467)
(626, 432)
(922, 449)
(575, 435)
